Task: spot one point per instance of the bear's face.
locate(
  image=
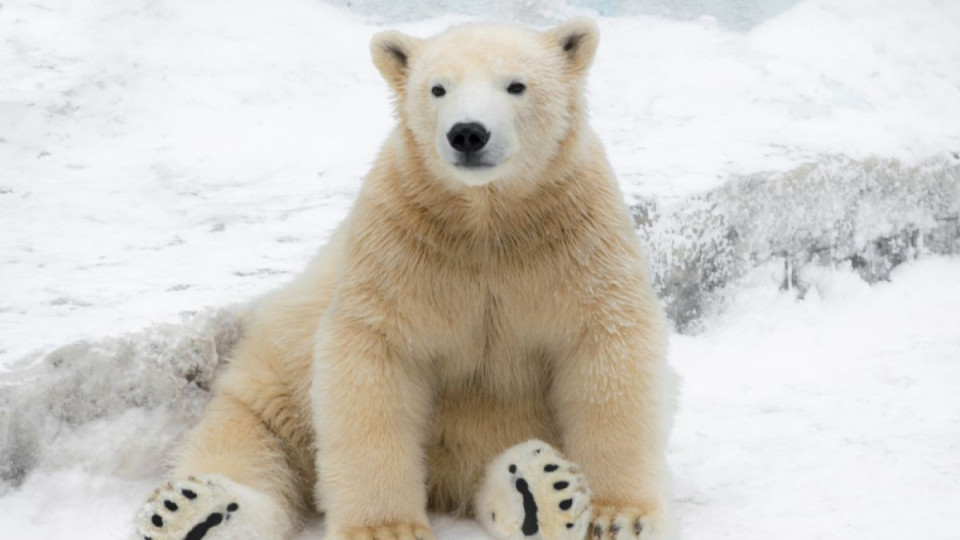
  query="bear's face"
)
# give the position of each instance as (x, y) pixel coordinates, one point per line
(488, 102)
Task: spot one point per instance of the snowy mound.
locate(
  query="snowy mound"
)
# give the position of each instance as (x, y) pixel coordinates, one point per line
(116, 404)
(869, 215)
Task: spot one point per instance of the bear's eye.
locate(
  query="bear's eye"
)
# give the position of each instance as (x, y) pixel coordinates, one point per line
(438, 90)
(516, 88)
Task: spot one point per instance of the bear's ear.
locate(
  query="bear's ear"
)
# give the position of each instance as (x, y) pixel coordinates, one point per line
(577, 39)
(392, 51)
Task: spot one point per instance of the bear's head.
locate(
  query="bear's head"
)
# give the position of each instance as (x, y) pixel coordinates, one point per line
(486, 102)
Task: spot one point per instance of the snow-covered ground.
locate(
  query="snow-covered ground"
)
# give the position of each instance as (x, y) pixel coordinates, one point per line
(834, 416)
(162, 158)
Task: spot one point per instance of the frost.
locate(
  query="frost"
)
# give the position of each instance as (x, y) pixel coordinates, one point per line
(872, 215)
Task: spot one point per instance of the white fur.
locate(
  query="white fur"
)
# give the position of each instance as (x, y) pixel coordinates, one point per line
(454, 315)
(478, 99)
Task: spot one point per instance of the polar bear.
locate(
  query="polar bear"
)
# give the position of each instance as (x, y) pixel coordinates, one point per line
(484, 307)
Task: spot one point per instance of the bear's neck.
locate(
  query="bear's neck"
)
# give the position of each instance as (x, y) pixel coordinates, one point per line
(517, 216)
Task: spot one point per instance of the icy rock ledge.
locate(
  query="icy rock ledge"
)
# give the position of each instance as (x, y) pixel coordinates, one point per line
(115, 405)
(872, 214)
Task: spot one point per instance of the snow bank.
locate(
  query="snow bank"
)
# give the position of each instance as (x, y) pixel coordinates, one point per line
(112, 406)
(870, 215)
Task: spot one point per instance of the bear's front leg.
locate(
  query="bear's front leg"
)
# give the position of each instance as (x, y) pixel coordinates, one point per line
(611, 404)
(371, 407)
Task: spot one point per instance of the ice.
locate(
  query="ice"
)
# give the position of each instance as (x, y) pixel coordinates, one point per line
(792, 167)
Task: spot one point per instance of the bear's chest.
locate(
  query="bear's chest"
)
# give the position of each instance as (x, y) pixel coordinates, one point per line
(498, 330)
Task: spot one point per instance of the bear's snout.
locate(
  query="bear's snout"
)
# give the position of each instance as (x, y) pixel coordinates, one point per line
(468, 137)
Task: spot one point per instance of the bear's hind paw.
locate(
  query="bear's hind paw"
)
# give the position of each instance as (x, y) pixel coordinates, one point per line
(189, 509)
(531, 491)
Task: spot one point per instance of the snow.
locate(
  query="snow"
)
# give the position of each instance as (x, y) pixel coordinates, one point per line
(834, 415)
(163, 161)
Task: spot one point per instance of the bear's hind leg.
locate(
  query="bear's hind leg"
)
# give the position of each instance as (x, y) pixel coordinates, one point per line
(232, 480)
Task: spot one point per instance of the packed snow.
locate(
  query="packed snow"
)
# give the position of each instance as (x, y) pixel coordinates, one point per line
(162, 162)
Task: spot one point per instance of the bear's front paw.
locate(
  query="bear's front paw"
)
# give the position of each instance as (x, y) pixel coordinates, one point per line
(624, 522)
(393, 531)
(531, 491)
(188, 509)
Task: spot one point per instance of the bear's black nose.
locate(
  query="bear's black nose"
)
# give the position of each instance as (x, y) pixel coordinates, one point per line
(468, 137)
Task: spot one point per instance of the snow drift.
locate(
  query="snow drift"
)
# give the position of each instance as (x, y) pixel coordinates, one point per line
(128, 396)
(870, 215)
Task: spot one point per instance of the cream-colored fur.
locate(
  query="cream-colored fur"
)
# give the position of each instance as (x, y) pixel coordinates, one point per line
(456, 313)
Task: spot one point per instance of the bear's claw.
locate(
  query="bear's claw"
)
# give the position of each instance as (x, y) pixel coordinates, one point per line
(626, 523)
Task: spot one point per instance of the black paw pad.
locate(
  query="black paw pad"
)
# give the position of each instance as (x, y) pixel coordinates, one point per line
(561, 485)
(189, 494)
(200, 529)
(232, 507)
(551, 467)
(569, 525)
(530, 525)
(157, 520)
(566, 504)
(513, 469)
(170, 505)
